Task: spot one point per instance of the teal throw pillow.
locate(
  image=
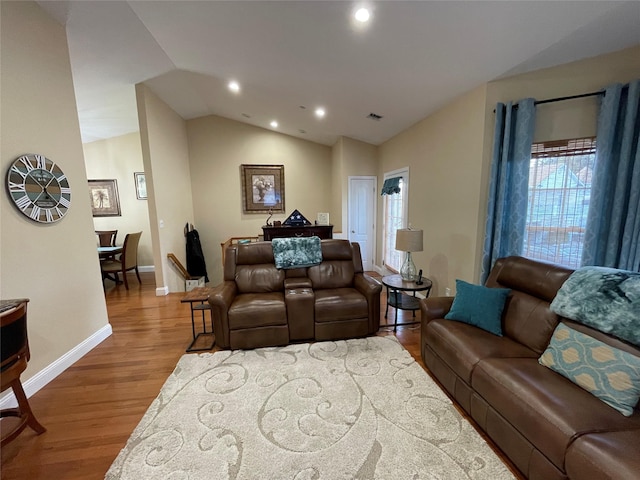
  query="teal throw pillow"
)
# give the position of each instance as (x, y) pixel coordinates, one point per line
(479, 306)
(610, 374)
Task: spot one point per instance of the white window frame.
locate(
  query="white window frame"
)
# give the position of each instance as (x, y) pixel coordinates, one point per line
(391, 258)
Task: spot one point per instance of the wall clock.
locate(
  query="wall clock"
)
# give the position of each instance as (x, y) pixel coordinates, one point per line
(39, 188)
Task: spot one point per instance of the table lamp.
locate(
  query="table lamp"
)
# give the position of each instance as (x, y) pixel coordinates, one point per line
(408, 240)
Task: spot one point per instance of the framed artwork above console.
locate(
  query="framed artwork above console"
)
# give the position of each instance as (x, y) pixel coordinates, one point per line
(262, 188)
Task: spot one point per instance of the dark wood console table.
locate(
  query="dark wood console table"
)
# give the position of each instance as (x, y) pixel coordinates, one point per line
(285, 231)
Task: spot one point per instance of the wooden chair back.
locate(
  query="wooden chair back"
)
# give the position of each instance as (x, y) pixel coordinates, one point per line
(129, 256)
(15, 355)
(107, 238)
(14, 343)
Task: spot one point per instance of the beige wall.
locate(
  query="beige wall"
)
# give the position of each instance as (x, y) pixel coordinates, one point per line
(337, 204)
(449, 155)
(350, 158)
(571, 118)
(217, 148)
(118, 158)
(558, 120)
(165, 153)
(443, 153)
(56, 265)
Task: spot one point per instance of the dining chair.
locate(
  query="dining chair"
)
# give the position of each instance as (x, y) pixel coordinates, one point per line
(107, 238)
(128, 259)
(15, 355)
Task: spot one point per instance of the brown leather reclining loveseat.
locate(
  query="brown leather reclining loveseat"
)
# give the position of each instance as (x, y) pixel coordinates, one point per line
(258, 305)
(549, 427)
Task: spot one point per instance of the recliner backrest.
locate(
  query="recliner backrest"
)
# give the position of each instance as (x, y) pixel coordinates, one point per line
(254, 270)
(337, 268)
(527, 316)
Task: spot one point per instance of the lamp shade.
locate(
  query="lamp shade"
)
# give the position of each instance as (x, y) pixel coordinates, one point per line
(409, 240)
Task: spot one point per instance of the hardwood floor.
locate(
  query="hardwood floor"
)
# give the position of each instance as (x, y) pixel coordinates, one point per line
(91, 409)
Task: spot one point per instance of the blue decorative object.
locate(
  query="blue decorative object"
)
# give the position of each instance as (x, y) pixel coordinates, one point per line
(391, 186)
(296, 252)
(612, 234)
(479, 306)
(610, 374)
(296, 219)
(604, 298)
(508, 182)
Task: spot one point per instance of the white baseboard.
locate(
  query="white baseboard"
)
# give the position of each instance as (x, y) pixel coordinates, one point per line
(44, 376)
(146, 268)
(162, 291)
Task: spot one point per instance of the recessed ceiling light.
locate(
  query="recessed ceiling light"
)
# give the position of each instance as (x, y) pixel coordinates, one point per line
(320, 112)
(362, 15)
(274, 124)
(234, 86)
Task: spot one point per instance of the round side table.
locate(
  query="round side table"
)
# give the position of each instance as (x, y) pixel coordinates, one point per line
(398, 298)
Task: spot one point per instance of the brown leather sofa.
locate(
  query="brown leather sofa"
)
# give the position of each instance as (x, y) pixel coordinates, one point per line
(549, 427)
(258, 305)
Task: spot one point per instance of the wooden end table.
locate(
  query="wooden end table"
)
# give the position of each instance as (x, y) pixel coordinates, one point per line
(198, 300)
(400, 300)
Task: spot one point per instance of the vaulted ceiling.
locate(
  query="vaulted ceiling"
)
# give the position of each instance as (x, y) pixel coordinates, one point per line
(291, 57)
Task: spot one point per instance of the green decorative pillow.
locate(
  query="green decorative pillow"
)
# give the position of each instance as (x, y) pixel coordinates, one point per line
(296, 252)
(610, 374)
(479, 306)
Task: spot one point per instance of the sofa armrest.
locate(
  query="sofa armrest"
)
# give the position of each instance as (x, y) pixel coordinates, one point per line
(366, 285)
(434, 307)
(370, 288)
(220, 299)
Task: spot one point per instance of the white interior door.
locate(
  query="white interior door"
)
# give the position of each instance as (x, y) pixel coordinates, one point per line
(362, 214)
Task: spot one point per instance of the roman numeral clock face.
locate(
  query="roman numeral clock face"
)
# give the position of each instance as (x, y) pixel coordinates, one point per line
(39, 188)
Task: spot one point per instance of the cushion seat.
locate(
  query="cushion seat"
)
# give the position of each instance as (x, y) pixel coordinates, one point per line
(334, 304)
(252, 310)
(462, 346)
(543, 406)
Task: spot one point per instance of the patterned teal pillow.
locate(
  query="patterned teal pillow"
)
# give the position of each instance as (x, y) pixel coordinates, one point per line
(610, 374)
(479, 306)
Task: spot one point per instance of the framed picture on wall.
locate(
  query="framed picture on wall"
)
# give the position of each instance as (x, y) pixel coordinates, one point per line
(262, 188)
(141, 185)
(103, 195)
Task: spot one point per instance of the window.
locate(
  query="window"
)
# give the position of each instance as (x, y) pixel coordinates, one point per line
(560, 175)
(395, 217)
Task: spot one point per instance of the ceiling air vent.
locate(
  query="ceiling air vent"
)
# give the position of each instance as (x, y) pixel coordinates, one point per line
(374, 116)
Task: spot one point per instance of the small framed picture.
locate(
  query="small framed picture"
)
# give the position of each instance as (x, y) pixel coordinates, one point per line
(103, 195)
(141, 185)
(323, 219)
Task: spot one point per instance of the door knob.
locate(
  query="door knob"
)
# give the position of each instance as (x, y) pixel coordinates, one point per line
(353, 231)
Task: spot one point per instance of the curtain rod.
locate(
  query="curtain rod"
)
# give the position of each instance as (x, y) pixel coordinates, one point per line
(560, 99)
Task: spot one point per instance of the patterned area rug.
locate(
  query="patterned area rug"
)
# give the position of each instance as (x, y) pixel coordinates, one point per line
(354, 409)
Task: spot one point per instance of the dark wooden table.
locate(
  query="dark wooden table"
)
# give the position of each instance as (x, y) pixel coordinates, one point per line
(400, 300)
(287, 231)
(106, 252)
